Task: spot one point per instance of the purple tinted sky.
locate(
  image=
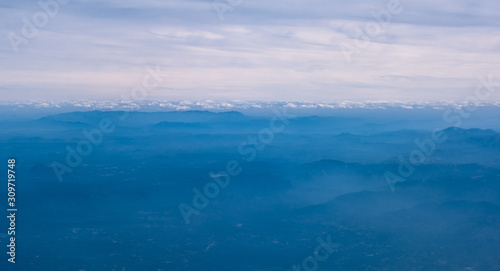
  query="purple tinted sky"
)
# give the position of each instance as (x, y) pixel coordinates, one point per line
(262, 50)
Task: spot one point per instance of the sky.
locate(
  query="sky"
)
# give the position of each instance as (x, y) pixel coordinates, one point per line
(314, 50)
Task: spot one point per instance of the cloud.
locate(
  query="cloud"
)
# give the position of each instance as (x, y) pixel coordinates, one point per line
(278, 50)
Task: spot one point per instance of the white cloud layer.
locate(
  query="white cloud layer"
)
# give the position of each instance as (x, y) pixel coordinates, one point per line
(262, 50)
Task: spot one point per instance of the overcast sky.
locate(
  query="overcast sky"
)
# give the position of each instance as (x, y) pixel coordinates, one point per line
(262, 50)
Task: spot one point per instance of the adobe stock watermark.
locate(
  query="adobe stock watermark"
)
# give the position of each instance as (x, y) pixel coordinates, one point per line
(320, 254)
(93, 138)
(248, 149)
(454, 117)
(48, 10)
(223, 6)
(372, 29)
